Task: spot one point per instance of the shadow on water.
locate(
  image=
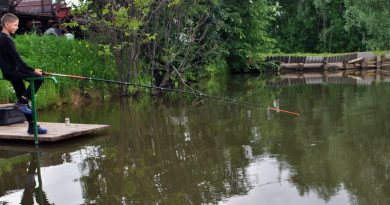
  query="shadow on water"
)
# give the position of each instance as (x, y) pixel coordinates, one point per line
(181, 150)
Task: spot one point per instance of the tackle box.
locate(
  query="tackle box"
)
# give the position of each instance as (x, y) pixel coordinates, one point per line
(8, 115)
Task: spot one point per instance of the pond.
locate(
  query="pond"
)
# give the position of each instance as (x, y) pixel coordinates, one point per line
(183, 150)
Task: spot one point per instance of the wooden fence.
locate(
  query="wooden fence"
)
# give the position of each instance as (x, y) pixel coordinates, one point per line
(361, 60)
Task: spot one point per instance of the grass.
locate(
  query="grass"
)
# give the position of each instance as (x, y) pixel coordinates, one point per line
(59, 55)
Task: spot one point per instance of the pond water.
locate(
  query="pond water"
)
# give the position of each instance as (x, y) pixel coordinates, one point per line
(181, 150)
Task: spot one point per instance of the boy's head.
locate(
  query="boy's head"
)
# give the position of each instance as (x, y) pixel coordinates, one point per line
(10, 23)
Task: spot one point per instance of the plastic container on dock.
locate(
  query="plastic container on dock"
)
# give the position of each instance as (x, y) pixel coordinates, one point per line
(8, 115)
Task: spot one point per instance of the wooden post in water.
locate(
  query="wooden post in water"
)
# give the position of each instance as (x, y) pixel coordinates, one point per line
(345, 65)
(378, 75)
(325, 75)
(378, 62)
(301, 66)
(364, 64)
(325, 65)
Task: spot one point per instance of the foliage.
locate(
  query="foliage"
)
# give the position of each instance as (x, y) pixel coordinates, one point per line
(59, 55)
(7, 165)
(119, 29)
(178, 39)
(315, 26)
(373, 18)
(243, 28)
(53, 54)
(179, 48)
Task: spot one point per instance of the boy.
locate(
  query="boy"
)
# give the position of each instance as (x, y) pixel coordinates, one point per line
(16, 70)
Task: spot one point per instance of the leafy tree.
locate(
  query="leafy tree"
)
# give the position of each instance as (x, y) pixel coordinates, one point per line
(177, 39)
(371, 17)
(296, 26)
(315, 26)
(118, 27)
(333, 36)
(244, 31)
(182, 42)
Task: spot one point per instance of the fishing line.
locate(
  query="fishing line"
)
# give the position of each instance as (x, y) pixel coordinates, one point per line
(194, 91)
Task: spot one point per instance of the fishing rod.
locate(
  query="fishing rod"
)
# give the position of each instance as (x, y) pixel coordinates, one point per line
(198, 93)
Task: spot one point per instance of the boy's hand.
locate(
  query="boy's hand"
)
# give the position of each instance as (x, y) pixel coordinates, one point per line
(38, 72)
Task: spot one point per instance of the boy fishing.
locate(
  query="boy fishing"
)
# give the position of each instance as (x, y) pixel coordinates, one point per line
(16, 70)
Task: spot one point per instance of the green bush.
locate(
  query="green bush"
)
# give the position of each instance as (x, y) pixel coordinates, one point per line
(59, 55)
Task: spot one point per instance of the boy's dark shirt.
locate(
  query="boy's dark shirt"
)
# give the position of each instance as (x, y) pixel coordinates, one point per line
(12, 65)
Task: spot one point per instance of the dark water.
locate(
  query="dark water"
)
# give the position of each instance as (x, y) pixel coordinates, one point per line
(180, 150)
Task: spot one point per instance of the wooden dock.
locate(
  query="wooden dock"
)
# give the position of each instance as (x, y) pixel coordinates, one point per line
(56, 131)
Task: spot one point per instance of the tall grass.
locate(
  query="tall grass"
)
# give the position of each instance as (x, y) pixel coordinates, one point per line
(59, 55)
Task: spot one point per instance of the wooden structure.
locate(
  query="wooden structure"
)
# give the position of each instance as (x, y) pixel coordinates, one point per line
(37, 15)
(56, 131)
(361, 60)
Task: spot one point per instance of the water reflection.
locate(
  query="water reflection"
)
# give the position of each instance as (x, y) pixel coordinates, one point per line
(48, 174)
(33, 182)
(32, 192)
(271, 184)
(349, 77)
(171, 150)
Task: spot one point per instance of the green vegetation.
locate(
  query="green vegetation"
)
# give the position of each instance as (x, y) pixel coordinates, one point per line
(59, 55)
(7, 165)
(174, 41)
(331, 26)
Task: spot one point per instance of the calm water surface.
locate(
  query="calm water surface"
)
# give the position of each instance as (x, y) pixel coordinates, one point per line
(181, 150)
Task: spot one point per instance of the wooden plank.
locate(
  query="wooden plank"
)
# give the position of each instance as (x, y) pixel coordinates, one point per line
(64, 146)
(311, 65)
(325, 65)
(355, 60)
(35, 6)
(345, 65)
(367, 55)
(6, 105)
(56, 131)
(314, 59)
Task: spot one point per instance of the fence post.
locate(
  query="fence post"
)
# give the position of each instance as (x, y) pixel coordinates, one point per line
(378, 62)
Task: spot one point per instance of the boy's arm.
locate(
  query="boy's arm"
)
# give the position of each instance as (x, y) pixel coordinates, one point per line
(16, 57)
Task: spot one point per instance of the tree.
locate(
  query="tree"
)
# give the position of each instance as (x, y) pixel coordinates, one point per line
(118, 27)
(296, 26)
(183, 40)
(315, 26)
(371, 17)
(333, 36)
(244, 31)
(177, 39)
